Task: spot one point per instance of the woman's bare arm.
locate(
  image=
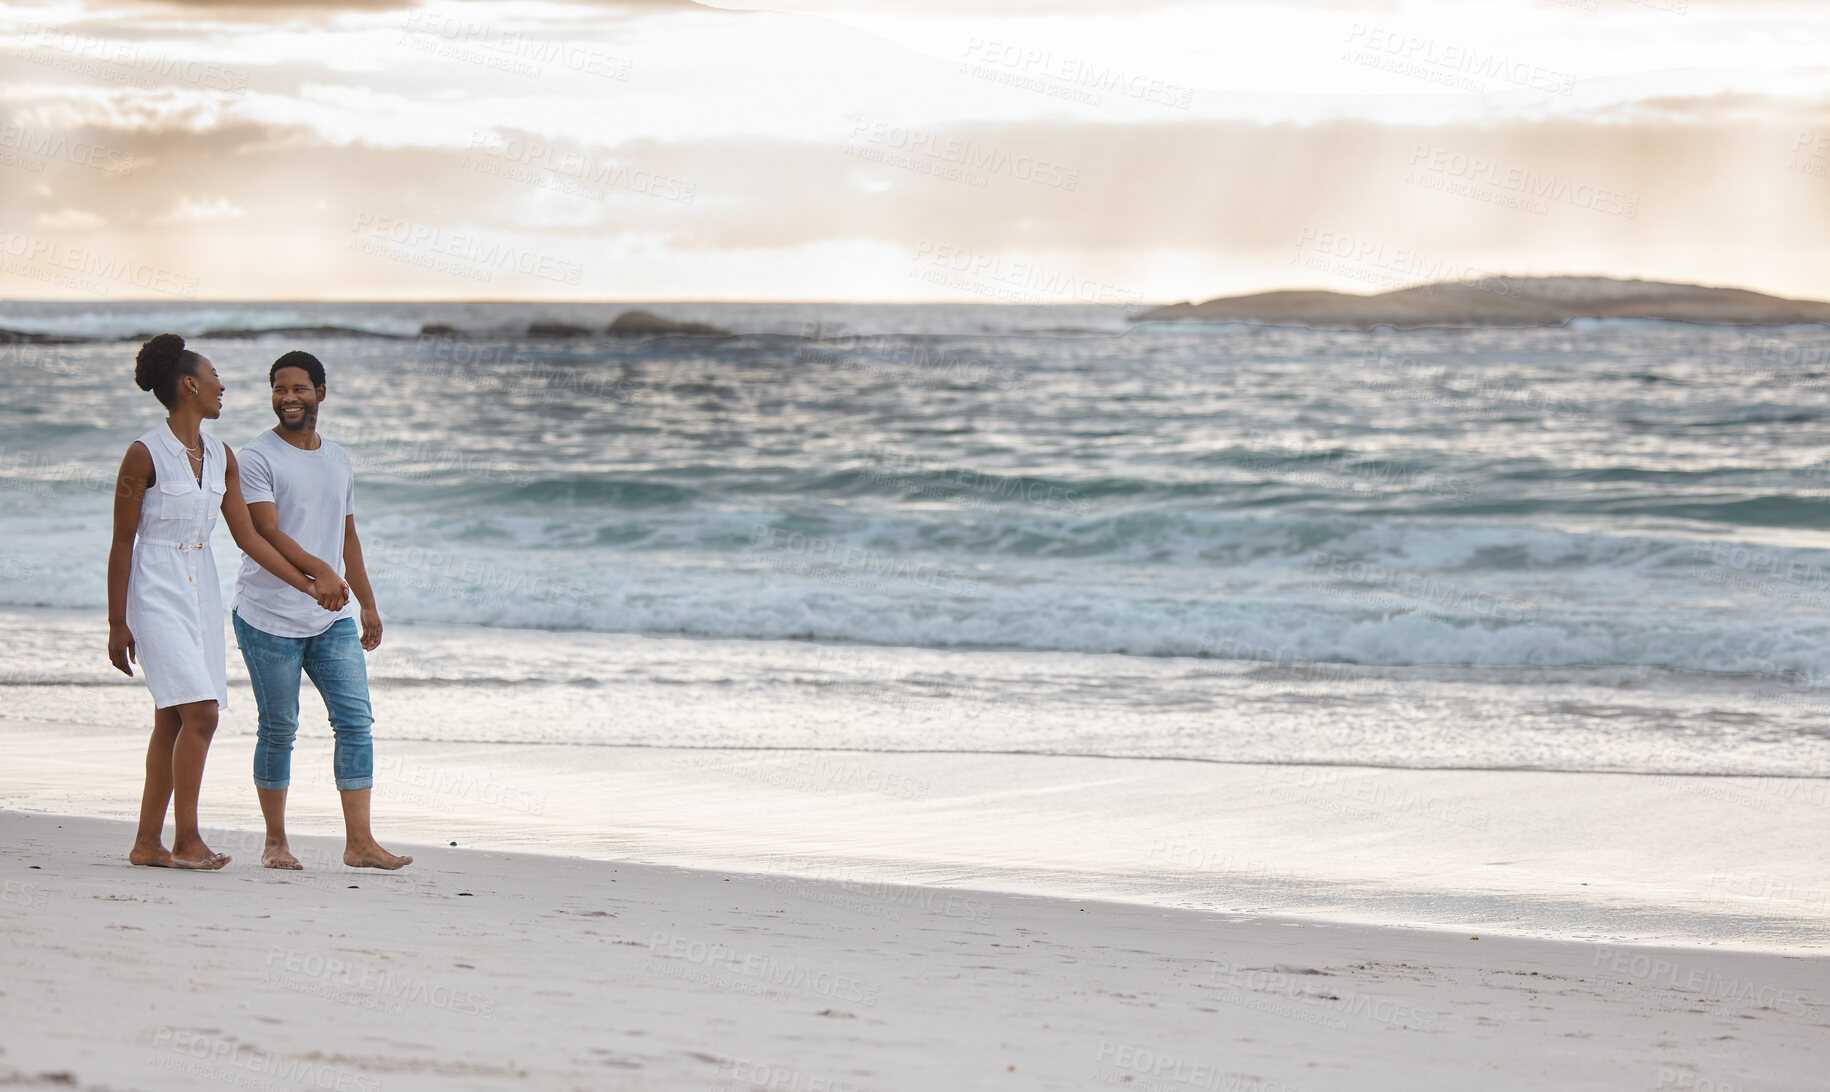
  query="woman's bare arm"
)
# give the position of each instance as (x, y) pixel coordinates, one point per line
(130, 485)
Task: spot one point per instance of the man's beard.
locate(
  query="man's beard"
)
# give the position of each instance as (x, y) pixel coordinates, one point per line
(306, 420)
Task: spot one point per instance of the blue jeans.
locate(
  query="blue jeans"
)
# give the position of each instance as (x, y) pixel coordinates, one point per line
(333, 659)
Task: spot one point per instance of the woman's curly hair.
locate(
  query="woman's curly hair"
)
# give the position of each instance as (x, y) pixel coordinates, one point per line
(162, 360)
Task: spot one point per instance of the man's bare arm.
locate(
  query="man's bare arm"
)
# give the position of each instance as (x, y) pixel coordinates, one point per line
(329, 594)
(266, 518)
(358, 579)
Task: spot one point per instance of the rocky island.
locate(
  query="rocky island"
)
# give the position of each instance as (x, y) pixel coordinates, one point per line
(1500, 301)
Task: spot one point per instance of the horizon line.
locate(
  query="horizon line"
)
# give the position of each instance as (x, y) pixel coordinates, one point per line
(886, 302)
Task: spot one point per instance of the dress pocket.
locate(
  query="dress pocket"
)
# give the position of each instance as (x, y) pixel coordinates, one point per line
(179, 500)
(217, 490)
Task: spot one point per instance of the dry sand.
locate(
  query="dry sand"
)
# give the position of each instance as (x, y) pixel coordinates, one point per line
(1673, 860)
(477, 969)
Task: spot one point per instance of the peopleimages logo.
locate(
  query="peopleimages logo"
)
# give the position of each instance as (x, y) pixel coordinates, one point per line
(754, 972)
(40, 144)
(924, 147)
(1011, 279)
(376, 988)
(1465, 65)
(805, 554)
(460, 250)
(54, 261)
(538, 163)
(135, 64)
(1516, 178)
(1654, 971)
(1088, 77)
(451, 574)
(195, 1055)
(1163, 1070)
(512, 51)
(1426, 590)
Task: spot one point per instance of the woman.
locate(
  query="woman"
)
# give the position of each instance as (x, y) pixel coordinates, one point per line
(164, 602)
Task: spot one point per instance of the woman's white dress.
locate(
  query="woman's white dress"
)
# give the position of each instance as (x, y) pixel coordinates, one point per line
(174, 604)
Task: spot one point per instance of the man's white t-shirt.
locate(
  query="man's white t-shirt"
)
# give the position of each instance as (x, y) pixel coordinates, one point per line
(313, 492)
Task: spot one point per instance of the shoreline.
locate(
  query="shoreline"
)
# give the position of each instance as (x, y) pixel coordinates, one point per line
(474, 967)
(466, 682)
(1708, 862)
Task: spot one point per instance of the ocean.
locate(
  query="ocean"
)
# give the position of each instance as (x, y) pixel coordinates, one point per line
(1010, 529)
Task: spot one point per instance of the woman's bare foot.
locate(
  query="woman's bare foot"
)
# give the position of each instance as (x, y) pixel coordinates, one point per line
(276, 854)
(371, 855)
(193, 854)
(152, 856)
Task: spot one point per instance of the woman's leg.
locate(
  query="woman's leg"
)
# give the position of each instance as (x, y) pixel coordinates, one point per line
(149, 840)
(188, 755)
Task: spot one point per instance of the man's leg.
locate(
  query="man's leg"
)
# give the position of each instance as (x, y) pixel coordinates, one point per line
(273, 672)
(149, 840)
(334, 661)
(360, 849)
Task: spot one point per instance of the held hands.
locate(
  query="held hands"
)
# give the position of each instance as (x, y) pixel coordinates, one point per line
(120, 647)
(331, 593)
(332, 597)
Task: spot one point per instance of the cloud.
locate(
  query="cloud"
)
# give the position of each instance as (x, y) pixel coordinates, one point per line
(1231, 205)
(192, 211)
(288, 10)
(651, 153)
(1725, 108)
(68, 220)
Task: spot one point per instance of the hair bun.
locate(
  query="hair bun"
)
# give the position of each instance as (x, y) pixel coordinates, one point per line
(158, 358)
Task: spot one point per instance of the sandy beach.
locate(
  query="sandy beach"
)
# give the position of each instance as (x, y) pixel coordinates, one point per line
(478, 969)
(1704, 860)
(770, 917)
(823, 618)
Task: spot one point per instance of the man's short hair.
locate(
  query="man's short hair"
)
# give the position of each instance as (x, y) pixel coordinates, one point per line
(298, 358)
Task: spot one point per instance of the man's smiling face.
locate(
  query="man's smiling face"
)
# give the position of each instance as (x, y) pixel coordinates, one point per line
(295, 400)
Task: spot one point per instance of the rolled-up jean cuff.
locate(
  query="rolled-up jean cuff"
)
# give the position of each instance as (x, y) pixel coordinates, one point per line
(273, 786)
(353, 783)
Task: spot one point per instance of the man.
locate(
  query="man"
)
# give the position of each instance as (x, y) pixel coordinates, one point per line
(301, 494)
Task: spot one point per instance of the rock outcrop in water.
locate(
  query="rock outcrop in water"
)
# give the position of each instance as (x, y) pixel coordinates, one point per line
(557, 329)
(1500, 301)
(291, 331)
(23, 337)
(645, 324)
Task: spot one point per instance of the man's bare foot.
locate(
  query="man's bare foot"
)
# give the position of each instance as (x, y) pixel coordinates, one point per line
(193, 854)
(276, 854)
(372, 855)
(152, 856)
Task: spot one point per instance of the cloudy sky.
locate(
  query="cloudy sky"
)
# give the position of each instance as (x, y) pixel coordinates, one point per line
(1037, 150)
